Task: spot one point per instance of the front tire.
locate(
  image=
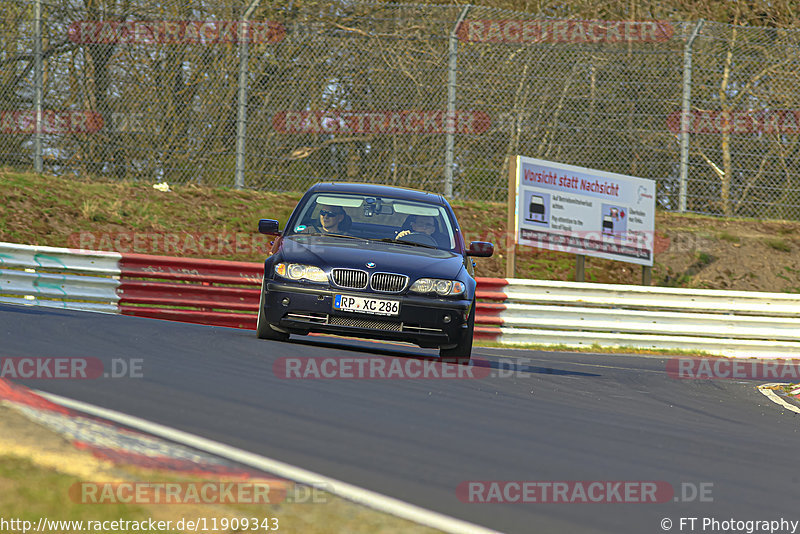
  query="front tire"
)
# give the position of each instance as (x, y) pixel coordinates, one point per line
(462, 352)
(263, 328)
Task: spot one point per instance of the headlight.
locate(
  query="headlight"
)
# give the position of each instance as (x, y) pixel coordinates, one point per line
(443, 288)
(297, 271)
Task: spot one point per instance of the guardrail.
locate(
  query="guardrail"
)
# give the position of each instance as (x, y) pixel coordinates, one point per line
(212, 292)
(58, 277)
(732, 323)
(509, 311)
(221, 293)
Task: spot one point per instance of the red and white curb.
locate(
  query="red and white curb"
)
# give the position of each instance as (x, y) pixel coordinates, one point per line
(112, 443)
(156, 446)
(350, 492)
(768, 392)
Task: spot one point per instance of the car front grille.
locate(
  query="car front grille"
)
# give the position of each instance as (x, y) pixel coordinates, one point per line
(350, 278)
(365, 323)
(388, 282)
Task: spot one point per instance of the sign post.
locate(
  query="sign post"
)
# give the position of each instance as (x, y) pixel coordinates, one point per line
(583, 211)
(511, 234)
(580, 268)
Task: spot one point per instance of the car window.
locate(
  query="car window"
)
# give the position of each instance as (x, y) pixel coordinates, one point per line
(375, 217)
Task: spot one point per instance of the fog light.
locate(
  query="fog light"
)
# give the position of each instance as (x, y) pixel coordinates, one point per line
(285, 301)
(447, 319)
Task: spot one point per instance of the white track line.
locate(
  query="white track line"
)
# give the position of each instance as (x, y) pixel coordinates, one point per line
(347, 491)
(768, 393)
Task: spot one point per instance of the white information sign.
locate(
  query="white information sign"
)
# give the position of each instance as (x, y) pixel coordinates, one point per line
(585, 211)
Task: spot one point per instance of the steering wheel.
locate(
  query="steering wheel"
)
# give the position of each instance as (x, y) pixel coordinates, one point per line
(419, 237)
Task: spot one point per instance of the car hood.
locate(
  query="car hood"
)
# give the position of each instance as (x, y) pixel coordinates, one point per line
(325, 251)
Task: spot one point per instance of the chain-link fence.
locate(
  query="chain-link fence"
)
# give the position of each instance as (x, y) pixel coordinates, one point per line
(431, 97)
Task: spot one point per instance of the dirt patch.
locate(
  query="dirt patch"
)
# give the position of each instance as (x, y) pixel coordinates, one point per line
(746, 255)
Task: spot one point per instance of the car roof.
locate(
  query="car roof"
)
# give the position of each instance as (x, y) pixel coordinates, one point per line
(377, 190)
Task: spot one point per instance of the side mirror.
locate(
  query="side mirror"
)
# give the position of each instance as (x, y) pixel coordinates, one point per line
(269, 227)
(480, 249)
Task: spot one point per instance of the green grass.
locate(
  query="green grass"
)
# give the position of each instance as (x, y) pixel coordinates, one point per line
(595, 347)
(46, 210)
(703, 258)
(727, 236)
(792, 276)
(54, 211)
(544, 267)
(29, 492)
(789, 388)
(777, 244)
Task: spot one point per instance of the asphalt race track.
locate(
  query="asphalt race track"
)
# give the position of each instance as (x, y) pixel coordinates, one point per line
(561, 417)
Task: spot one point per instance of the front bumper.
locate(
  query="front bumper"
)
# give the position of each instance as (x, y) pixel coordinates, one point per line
(304, 308)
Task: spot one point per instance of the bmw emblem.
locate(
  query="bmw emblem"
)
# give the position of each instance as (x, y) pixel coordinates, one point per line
(371, 265)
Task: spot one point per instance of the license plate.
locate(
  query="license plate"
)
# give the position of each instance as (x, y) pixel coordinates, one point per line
(366, 305)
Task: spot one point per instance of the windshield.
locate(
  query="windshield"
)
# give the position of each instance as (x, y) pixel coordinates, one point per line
(377, 218)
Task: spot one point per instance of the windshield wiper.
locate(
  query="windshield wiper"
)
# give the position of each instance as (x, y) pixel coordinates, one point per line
(383, 240)
(330, 235)
(401, 241)
(344, 235)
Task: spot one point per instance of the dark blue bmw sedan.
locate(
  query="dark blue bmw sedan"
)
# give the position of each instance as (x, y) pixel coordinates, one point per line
(371, 261)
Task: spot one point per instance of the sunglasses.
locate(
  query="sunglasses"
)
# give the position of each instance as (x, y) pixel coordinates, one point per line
(326, 213)
(424, 224)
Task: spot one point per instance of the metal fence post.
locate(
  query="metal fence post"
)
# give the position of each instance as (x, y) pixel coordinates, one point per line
(37, 86)
(687, 100)
(451, 103)
(241, 113)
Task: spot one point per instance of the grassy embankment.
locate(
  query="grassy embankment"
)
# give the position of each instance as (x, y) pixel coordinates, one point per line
(692, 251)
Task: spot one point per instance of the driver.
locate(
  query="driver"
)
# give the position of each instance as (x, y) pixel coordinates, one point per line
(420, 224)
(331, 220)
